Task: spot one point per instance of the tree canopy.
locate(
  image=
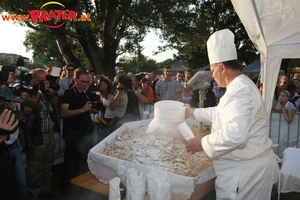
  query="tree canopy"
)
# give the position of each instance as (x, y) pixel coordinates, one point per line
(118, 27)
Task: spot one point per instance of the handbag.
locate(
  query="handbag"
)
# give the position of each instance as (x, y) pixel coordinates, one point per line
(25, 140)
(55, 118)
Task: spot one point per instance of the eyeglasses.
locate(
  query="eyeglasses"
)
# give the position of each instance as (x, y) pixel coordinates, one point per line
(70, 69)
(81, 81)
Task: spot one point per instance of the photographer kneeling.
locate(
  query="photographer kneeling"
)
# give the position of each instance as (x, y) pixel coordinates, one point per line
(19, 188)
(7, 172)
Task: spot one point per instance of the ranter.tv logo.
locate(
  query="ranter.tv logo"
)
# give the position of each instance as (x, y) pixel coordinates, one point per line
(52, 15)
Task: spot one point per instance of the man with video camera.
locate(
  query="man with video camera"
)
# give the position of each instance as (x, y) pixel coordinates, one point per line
(40, 159)
(128, 102)
(7, 172)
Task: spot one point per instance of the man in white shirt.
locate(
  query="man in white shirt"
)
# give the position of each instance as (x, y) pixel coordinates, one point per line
(65, 81)
(244, 163)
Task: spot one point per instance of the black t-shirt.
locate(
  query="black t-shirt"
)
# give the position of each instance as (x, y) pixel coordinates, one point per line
(76, 100)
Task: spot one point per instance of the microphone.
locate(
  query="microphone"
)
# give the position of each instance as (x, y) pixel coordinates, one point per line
(31, 104)
(25, 102)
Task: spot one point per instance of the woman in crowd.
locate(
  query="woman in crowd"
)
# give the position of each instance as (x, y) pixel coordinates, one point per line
(285, 106)
(296, 82)
(104, 87)
(146, 90)
(188, 74)
(186, 94)
(284, 81)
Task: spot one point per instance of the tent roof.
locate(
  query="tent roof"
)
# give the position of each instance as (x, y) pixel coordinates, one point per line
(176, 65)
(254, 68)
(273, 27)
(205, 68)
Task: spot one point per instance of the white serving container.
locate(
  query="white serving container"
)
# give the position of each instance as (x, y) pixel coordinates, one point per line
(106, 167)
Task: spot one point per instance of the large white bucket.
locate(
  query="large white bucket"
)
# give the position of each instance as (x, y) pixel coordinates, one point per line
(169, 111)
(168, 115)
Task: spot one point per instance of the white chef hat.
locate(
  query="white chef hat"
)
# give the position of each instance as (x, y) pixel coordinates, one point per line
(221, 47)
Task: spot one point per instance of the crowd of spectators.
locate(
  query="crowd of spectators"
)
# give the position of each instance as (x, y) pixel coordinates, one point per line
(286, 95)
(117, 100)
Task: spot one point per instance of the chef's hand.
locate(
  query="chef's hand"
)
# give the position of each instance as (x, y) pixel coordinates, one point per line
(194, 145)
(189, 111)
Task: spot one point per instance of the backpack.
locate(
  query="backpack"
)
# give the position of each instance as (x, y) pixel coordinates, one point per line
(121, 110)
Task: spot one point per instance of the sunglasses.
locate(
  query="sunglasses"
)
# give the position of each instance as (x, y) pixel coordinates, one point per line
(70, 69)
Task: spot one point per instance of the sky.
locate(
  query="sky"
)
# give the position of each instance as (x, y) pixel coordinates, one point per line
(12, 37)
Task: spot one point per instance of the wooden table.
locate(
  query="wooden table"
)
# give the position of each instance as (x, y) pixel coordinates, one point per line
(90, 182)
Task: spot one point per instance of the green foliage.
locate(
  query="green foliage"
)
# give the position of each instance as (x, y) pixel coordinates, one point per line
(45, 51)
(142, 63)
(205, 17)
(118, 27)
(290, 66)
(4, 61)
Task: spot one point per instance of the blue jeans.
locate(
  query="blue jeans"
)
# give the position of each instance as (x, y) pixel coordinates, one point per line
(19, 190)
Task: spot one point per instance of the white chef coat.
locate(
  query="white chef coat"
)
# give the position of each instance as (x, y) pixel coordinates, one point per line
(239, 143)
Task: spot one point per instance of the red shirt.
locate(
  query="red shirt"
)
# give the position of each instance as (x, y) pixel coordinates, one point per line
(149, 93)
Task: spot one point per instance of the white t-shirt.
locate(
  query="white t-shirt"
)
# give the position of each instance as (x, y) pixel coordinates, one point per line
(106, 102)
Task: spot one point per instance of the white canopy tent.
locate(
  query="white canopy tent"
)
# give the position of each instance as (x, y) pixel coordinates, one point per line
(274, 28)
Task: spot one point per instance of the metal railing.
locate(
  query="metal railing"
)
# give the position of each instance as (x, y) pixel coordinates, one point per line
(283, 134)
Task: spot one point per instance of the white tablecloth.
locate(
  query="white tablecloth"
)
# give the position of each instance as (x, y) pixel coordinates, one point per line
(290, 171)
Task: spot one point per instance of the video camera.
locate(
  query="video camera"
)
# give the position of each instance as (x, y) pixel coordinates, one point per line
(125, 82)
(22, 81)
(53, 82)
(6, 94)
(95, 100)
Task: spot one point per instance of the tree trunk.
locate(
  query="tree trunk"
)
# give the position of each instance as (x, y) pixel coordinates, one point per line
(88, 42)
(110, 55)
(64, 47)
(110, 44)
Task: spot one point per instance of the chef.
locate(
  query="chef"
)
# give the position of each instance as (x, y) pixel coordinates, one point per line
(244, 163)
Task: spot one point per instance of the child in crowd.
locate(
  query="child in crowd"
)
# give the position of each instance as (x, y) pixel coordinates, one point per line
(283, 104)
